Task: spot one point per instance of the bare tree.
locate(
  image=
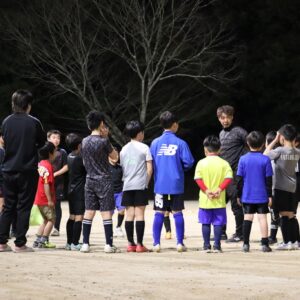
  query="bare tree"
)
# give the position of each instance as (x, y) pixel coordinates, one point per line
(118, 56)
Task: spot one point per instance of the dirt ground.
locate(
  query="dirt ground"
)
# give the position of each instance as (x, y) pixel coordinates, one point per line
(60, 274)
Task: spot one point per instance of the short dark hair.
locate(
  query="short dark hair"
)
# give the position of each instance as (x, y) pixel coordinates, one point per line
(53, 131)
(288, 131)
(133, 128)
(46, 150)
(225, 109)
(270, 136)
(94, 119)
(20, 100)
(167, 119)
(212, 143)
(255, 139)
(73, 140)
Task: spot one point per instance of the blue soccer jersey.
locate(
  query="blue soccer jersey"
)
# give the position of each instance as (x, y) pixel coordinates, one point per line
(254, 167)
(171, 157)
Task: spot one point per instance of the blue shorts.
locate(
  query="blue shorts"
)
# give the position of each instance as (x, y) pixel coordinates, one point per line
(216, 216)
(118, 201)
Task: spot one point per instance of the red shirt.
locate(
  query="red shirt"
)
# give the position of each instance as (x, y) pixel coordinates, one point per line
(45, 170)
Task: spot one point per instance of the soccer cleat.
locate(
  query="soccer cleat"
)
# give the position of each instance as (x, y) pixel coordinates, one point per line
(49, 245)
(68, 246)
(272, 241)
(156, 248)
(85, 248)
(168, 235)
(141, 249)
(207, 248)
(118, 232)
(234, 239)
(75, 247)
(55, 232)
(111, 249)
(217, 249)
(266, 248)
(246, 248)
(131, 248)
(181, 248)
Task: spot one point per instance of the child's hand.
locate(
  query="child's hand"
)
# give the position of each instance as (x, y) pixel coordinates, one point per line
(217, 193)
(270, 202)
(239, 201)
(50, 203)
(209, 194)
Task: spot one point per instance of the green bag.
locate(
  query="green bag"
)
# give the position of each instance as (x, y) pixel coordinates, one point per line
(35, 216)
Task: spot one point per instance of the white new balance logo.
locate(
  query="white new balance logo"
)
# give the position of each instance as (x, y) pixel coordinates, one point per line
(167, 150)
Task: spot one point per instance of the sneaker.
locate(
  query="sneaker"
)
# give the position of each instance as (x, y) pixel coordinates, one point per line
(296, 246)
(168, 235)
(217, 249)
(181, 248)
(266, 248)
(156, 248)
(49, 245)
(131, 248)
(246, 248)
(76, 247)
(111, 249)
(55, 232)
(234, 239)
(207, 248)
(35, 244)
(5, 248)
(68, 246)
(22, 249)
(272, 241)
(141, 249)
(282, 246)
(118, 232)
(85, 248)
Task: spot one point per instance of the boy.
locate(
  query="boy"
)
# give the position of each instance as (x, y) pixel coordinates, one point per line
(233, 146)
(171, 158)
(117, 175)
(274, 213)
(76, 184)
(213, 175)
(254, 176)
(136, 163)
(60, 167)
(99, 194)
(45, 196)
(285, 158)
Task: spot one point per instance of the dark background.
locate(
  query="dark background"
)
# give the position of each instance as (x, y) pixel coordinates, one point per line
(266, 95)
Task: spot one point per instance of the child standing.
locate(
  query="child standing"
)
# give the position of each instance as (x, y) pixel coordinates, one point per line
(254, 177)
(213, 175)
(60, 167)
(77, 176)
(45, 196)
(286, 158)
(136, 162)
(117, 174)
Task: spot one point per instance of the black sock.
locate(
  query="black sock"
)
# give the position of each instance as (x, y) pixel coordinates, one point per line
(108, 228)
(294, 229)
(265, 241)
(167, 224)
(140, 229)
(76, 232)
(69, 228)
(120, 220)
(129, 227)
(86, 230)
(273, 233)
(246, 231)
(224, 228)
(285, 229)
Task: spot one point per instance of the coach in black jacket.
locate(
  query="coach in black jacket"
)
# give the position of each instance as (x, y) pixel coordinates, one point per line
(22, 135)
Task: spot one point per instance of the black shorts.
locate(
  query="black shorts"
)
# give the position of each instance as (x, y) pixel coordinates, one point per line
(253, 208)
(135, 198)
(99, 195)
(76, 202)
(283, 201)
(168, 202)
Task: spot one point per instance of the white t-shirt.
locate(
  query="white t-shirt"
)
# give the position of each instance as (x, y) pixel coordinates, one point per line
(133, 158)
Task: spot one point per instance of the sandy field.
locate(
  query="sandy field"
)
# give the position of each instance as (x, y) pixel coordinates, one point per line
(60, 274)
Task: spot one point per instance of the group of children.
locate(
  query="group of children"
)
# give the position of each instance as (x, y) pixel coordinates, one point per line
(265, 181)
